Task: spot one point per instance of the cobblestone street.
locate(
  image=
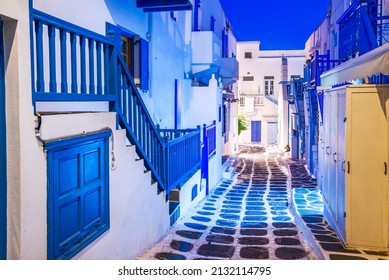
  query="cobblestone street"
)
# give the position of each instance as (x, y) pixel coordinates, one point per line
(245, 218)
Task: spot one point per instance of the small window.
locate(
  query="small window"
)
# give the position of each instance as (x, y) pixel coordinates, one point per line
(248, 78)
(242, 101)
(248, 55)
(135, 52)
(269, 85)
(258, 100)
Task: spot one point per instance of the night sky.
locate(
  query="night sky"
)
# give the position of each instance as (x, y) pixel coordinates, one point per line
(277, 24)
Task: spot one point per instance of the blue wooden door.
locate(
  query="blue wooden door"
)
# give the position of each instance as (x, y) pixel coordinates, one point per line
(256, 131)
(78, 193)
(3, 162)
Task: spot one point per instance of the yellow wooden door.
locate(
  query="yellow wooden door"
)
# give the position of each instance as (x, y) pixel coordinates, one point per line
(366, 153)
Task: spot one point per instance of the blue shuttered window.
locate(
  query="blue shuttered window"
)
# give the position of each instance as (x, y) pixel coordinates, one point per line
(144, 62)
(135, 52)
(78, 193)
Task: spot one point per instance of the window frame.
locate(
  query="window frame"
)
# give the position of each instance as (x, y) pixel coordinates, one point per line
(139, 55)
(248, 55)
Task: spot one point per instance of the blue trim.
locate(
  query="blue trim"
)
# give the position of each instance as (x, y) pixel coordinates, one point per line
(354, 6)
(163, 5)
(177, 106)
(213, 21)
(3, 156)
(196, 12)
(78, 203)
(256, 131)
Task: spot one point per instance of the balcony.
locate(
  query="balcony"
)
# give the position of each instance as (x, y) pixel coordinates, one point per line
(206, 49)
(164, 5)
(229, 71)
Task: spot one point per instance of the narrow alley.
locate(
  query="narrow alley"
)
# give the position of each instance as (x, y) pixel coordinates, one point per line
(245, 218)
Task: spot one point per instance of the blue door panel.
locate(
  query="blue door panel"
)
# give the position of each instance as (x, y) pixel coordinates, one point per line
(3, 158)
(78, 210)
(256, 131)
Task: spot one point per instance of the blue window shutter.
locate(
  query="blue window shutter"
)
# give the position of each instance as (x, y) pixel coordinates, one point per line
(78, 193)
(225, 44)
(144, 70)
(213, 20)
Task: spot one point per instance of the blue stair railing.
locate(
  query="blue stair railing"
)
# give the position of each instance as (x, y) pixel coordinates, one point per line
(209, 136)
(98, 72)
(182, 154)
(88, 64)
(360, 29)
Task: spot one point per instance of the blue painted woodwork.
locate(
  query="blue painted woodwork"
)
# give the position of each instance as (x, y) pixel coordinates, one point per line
(256, 131)
(213, 21)
(3, 157)
(78, 193)
(163, 5)
(177, 104)
(211, 139)
(361, 28)
(194, 192)
(225, 44)
(207, 151)
(182, 155)
(82, 44)
(196, 12)
(115, 84)
(144, 71)
(205, 160)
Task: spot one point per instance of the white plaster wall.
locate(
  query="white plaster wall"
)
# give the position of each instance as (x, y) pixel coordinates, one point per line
(319, 40)
(186, 193)
(138, 216)
(124, 13)
(266, 63)
(203, 108)
(24, 158)
(169, 48)
(212, 8)
(169, 60)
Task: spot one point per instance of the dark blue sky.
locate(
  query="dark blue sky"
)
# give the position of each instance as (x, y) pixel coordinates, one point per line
(278, 24)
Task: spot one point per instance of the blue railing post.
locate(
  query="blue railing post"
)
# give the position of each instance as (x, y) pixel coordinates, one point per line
(204, 159)
(52, 64)
(40, 86)
(64, 83)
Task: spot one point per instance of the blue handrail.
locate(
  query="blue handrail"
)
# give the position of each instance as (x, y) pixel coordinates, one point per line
(183, 157)
(98, 72)
(75, 45)
(210, 138)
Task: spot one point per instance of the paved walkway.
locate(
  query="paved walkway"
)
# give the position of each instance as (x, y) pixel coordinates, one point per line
(271, 209)
(247, 218)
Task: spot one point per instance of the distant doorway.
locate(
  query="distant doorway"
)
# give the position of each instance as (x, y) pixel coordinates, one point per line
(272, 133)
(3, 159)
(256, 131)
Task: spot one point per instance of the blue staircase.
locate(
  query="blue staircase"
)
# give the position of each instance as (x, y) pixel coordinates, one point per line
(170, 161)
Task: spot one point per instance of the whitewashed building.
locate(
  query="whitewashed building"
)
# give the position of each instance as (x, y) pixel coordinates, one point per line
(263, 91)
(102, 119)
(348, 71)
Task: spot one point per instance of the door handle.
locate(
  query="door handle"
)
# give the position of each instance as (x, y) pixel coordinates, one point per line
(348, 167)
(327, 152)
(333, 157)
(344, 166)
(385, 168)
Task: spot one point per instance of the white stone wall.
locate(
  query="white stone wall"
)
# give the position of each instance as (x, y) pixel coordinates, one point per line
(265, 63)
(24, 159)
